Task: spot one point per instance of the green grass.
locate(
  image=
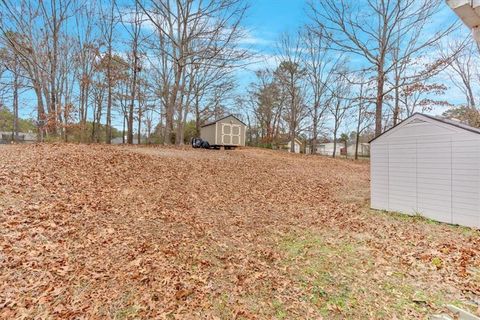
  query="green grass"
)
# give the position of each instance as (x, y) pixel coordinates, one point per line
(318, 264)
(418, 218)
(338, 280)
(221, 307)
(280, 312)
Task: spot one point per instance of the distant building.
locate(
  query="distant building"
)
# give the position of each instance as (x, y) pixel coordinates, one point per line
(119, 140)
(363, 150)
(23, 137)
(286, 144)
(228, 131)
(326, 149)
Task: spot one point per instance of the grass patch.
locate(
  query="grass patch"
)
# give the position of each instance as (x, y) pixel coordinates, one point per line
(280, 311)
(418, 218)
(340, 280)
(124, 308)
(221, 307)
(318, 264)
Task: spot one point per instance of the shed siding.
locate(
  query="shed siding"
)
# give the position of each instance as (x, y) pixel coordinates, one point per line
(230, 120)
(429, 168)
(434, 179)
(465, 182)
(208, 133)
(379, 174)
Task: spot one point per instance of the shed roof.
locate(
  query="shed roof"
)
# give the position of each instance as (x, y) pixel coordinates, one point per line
(427, 117)
(230, 115)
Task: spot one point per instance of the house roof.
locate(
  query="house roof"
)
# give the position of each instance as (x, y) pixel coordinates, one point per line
(296, 140)
(435, 118)
(230, 115)
(287, 140)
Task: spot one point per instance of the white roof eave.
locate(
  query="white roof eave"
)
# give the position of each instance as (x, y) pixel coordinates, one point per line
(467, 10)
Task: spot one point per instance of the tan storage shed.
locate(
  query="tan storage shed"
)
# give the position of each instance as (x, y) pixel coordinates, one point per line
(228, 131)
(429, 166)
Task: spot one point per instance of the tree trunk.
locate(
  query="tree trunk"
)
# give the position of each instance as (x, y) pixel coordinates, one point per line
(123, 129)
(197, 116)
(396, 110)
(139, 136)
(293, 115)
(41, 116)
(108, 127)
(334, 145)
(357, 135)
(379, 100)
(132, 102)
(15, 103)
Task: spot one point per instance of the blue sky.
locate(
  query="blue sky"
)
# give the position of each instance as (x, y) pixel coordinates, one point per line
(265, 22)
(268, 19)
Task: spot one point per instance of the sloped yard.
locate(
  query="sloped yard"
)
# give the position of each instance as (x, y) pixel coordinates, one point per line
(90, 231)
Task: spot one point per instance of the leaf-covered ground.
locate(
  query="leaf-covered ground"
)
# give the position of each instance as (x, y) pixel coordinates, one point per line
(90, 231)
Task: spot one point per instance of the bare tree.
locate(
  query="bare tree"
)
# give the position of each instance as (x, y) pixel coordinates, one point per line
(267, 105)
(9, 62)
(340, 103)
(108, 24)
(463, 73)
(193, 34)
(86, 61)
(320, 66)
(133, 25)
(371, 29)
(290, 75)
(35, 31)
(362, 103)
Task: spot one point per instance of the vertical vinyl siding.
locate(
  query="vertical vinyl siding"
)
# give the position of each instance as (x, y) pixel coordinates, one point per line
(434, 180)
(430, 169)
(465, 183)
(379, 179)
(402, 177)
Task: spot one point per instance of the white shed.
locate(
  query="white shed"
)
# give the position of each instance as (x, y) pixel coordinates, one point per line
(326, 149)
(297, 147)
(430, 166)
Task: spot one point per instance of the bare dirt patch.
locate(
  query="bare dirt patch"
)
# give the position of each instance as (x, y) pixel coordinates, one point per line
(115, 232)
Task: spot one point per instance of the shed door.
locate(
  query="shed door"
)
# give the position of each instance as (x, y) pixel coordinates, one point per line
(230, 134)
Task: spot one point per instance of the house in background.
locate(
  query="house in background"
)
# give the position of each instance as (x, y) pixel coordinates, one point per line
(286, 144)
(120, 140)
(298, 146)
(363, 150)
(326, 149)
(23, 137)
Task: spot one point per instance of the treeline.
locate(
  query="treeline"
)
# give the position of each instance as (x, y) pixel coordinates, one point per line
(356, 67)
(157, 70)
(144, 67)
